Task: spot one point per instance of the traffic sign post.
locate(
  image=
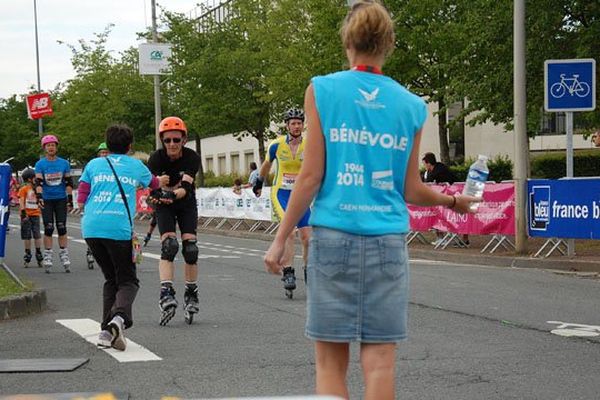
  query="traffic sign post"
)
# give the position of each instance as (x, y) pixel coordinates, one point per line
(570, 86)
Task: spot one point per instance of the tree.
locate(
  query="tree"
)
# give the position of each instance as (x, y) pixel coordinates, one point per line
(105, 90)
(18, 135)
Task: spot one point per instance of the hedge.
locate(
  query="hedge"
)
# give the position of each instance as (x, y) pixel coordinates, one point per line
(554, 165)
(500, 169)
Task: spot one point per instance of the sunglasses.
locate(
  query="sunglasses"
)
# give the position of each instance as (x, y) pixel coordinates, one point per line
(174, 140)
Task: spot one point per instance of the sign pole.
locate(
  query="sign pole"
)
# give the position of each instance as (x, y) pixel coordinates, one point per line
(569, 126)
(157, 110)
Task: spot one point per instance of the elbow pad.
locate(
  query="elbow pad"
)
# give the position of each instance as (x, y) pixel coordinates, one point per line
(69, 181)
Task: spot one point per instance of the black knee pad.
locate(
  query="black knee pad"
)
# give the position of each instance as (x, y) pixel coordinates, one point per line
(48, 229)
(61, 228)
(190, 251)
(169, 249)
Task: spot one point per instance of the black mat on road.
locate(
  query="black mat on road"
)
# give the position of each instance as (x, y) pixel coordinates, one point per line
(41, 365)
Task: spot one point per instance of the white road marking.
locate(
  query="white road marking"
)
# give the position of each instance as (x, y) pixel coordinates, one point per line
(89, 330)
(569, 329)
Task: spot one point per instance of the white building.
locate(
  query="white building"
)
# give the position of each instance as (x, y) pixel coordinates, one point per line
(226, 154)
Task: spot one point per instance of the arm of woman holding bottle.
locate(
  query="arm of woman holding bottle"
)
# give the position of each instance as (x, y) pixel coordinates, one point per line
(417, 193)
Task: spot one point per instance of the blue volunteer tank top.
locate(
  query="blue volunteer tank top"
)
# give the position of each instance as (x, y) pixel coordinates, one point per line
(369, 122)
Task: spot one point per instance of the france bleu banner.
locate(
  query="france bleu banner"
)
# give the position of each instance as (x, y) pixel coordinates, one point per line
(565, 208)
(5, 175)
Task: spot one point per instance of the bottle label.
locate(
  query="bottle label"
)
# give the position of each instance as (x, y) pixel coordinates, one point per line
(477, 175)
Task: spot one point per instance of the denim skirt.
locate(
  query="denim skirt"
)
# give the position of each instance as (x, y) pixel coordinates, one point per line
(357, 287)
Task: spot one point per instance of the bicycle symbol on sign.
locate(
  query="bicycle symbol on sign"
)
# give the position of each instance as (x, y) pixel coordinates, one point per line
(571, 85)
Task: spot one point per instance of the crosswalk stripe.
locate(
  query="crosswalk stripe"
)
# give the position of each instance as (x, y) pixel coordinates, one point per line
(89, 330)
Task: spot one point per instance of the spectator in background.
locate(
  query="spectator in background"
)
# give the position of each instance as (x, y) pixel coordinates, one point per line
(237, 186)
(596, 138)
(436, 171)
(253, 175)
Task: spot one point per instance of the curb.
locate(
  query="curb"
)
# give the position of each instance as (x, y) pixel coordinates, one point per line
(23, 304)
(509, 260)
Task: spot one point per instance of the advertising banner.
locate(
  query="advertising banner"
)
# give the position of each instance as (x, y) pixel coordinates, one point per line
(564, 208)
(5, 177)
(496, 213)
(224, 203)
(39, 105)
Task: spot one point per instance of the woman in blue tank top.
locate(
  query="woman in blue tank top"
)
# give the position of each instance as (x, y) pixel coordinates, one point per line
(361, 167)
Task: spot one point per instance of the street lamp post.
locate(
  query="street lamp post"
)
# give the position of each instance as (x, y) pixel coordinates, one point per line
(157, 110)
(37, 60)
(520, 127)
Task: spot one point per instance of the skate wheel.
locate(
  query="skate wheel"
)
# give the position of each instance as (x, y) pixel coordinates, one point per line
(90, 265)
(166, 316)
(289, 294)
(189, 317)
(25, 265)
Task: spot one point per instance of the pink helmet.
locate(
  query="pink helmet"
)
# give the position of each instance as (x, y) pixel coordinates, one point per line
(49, 139)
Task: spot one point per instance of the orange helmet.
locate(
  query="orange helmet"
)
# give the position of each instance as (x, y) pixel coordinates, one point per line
(172, 124)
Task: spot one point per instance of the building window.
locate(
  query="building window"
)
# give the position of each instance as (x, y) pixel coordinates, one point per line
(210, 164)
(222, 165)
(235, 163)
(248, 158)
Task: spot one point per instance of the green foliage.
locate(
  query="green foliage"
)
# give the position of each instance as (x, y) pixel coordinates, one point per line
(7, 285)
(104, 91)
(211, 180)
(501, 169)
(18, 135)
(554, 165)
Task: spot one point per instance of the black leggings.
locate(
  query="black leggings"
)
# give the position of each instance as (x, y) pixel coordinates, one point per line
(55, 209)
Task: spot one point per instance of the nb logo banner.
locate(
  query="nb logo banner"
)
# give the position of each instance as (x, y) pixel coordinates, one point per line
(565, 208)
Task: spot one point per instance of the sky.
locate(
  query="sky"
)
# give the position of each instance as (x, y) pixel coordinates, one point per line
(67, 21)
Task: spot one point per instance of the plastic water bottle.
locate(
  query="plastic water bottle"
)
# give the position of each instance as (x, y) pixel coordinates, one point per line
(478, 174)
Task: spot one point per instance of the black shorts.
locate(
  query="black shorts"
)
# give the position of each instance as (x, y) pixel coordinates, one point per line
(55, 210)
(183, 212)
(30, 227)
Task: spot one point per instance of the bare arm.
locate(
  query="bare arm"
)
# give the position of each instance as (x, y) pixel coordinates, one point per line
(21, 203)
(265, 168)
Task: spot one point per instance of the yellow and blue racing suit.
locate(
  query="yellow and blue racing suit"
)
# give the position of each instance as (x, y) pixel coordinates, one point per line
(288, 168)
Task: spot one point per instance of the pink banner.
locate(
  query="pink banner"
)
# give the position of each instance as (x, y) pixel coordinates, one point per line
(496, 214)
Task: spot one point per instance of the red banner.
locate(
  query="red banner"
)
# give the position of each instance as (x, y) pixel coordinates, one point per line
(141, 205)
(496, 213)
(39, 105)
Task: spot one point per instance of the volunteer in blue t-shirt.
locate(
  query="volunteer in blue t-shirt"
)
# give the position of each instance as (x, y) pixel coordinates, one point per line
(54, 189)
(362, 163)
(107, 228)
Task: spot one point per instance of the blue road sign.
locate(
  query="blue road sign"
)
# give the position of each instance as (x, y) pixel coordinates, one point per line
(570, 85)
